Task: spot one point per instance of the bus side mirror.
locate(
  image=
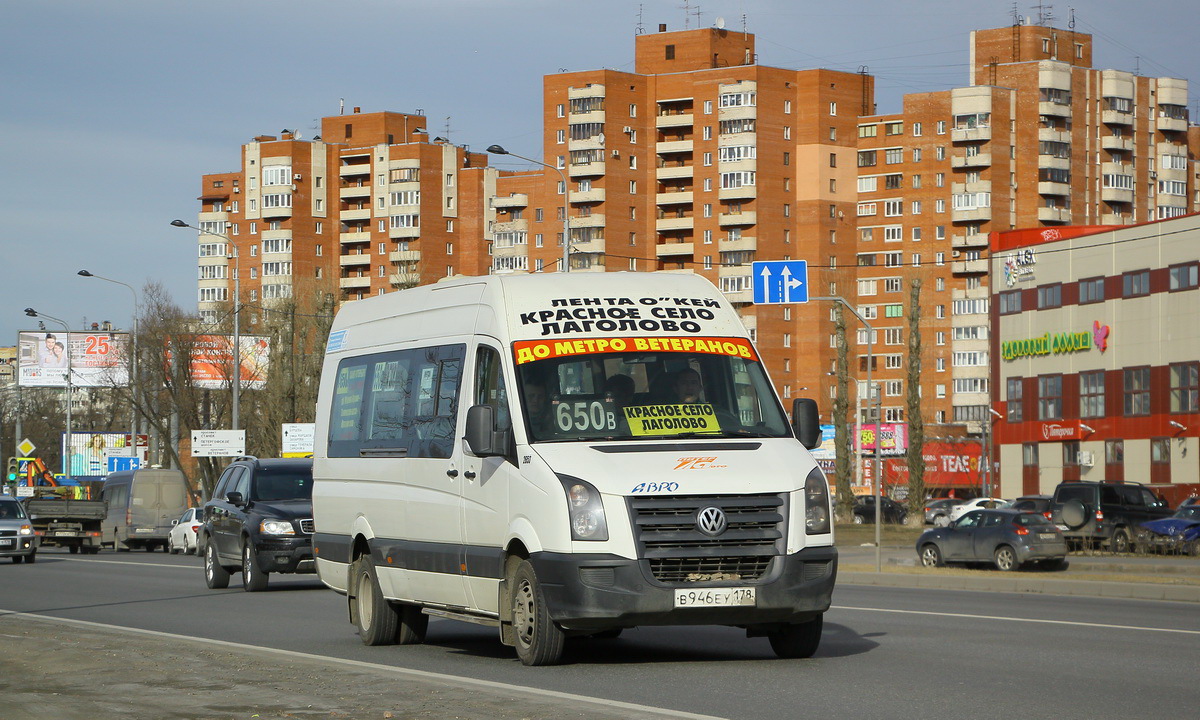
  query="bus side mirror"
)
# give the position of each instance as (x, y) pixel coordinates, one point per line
(806, 422)
(483, 439)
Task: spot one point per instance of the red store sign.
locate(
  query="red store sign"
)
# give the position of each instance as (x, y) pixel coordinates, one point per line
(1052, 431)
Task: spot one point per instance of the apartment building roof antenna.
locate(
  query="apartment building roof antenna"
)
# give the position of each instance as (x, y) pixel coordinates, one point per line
(640, 27)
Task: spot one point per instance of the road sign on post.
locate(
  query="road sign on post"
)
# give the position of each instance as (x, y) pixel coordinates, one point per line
(780, 282)
(218, 443)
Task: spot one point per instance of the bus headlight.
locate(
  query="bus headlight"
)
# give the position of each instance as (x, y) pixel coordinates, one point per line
(586, 509)
(816, 503)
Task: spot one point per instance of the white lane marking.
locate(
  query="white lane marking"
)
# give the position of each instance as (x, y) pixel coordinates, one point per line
(451, 680)
(126, 562)
(969, 616)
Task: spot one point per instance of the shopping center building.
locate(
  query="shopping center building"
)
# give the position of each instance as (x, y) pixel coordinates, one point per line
(1097, 356)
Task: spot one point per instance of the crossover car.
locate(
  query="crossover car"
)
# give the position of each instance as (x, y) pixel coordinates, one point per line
(1007, 538)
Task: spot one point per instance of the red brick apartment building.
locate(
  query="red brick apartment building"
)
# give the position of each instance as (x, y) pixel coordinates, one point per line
(702, 160)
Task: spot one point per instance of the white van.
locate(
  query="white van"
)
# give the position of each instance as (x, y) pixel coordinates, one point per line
(560, 455)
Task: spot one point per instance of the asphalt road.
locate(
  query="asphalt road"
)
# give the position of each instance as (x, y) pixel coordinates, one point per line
(885, 651)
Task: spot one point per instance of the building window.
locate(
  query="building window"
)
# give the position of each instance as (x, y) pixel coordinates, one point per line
(1135, 284)
(1091, 394)
(1015, 388)
(1184, 277)
(1091, 290)
(1049, 296)
(1050, 397)
(1029, 454)
(1114, 452)
(670, 52)
(1160, 450)
(1070, 451)
(1137, 391)
(1185, 387)
(1010, 302)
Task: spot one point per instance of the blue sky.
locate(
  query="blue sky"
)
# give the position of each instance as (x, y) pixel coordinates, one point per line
(112, 109)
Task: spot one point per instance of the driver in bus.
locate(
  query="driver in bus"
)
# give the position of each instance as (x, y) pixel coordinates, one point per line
(537, 407)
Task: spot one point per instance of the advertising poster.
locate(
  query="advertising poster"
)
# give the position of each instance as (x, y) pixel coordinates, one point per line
(96, 359)
(212, 361)
(946, 465)
(95, 454)
(892, 438)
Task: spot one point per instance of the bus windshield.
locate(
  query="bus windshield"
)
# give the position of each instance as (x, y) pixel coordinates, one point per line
(645, 388)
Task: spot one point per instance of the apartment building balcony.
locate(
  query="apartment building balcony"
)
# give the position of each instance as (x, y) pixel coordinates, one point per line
(976, 134)
(1055, 109)
(1170, 148)
(670, 249)
(595, 116)
(588, 169)
(521, 225)
(673, 172)
(1169, 174)
(668, 224)
(1170, 124)
(981, 160)
(355, 214)
(725, 271)
(1116, 195)
(1051, 162)
(1054, 215)
(1116, 117)
(742, 243)
(982, 214)
(588, 246)
(675, 120)
(595, 142)
(351, 283)
(969, 242)
(1114, 219)
(590, 90)
(979, 186)
(404, 232)
(355, 191)
(737, 138)
(348, 238)
(405, 279)
(516, 200)
(218, 217)
(587, 221)
(1052, 135)
(743, 165)
(746, 217)
(355, 260)
(510, 250)
(1171, 201)
(742, 112)
(277, 212)
(397, 256)
(673, 146)
(741, 296)
(745, 192)
(587, 196)
(1053, 188)
(1116, 143)
(969, 267)
(355, 169)
(674, 198)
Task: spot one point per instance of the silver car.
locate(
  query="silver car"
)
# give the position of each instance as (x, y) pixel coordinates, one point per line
(16, 532)
(1007, 538)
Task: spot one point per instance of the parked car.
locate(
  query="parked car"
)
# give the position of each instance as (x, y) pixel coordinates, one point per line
(1006, 538)
(1104, 514)
(1193, 500)
(182, 537)
(937, 511)
(967, 506)
(17, 540)
(1179, 533)
(259, 521)
(1039, 504)
(890, 511)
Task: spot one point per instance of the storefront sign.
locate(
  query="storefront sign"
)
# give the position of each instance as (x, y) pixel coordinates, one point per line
(1050, 343)
(1019, 266)
(1060, 431)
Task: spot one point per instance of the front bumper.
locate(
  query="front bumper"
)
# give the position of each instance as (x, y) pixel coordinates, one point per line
(285, 554)
(594, 592)
(18, 545)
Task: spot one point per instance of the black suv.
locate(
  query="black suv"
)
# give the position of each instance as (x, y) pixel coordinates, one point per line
(1104, 514)
(259, 521)
(890, 511)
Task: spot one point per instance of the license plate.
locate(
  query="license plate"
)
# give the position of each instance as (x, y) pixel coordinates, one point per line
(65, 533)
(1046, 536)
(715, 597)
(6, 542)
(143, 530)
(1064, 528)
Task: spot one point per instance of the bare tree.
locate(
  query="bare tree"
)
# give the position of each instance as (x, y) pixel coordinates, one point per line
(916, 424)
(841, 428)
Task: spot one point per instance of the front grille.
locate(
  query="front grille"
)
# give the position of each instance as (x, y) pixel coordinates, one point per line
(307, 526)
(677, 552)
(814, 570)
(8, 533)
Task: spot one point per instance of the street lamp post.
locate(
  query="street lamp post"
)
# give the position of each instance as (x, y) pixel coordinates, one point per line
(66, 457)
(237, 304)
(566, 258)
(133, 379)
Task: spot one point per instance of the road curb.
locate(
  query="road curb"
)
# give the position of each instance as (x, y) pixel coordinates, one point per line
(1018, 584)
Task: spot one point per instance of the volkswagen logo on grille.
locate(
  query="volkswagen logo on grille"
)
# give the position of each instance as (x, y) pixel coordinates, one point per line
(711, 521)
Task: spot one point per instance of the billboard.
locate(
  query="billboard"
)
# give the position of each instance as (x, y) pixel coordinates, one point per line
(96, 359)
(95, 454)
(212, 361)
(892, 438)
(947, 464)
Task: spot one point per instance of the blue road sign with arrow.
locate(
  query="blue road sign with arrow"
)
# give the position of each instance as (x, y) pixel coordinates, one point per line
(779, 282)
